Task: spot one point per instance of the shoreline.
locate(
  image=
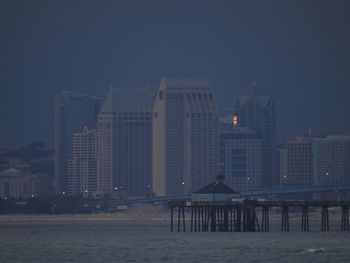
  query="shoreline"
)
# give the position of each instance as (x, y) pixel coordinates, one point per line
(103, 218)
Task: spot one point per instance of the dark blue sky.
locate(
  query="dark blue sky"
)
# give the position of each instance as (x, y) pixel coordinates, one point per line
(298, 50)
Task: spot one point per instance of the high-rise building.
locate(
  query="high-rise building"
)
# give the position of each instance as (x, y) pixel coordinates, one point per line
(241, 158)
(331, 160)
(299, 162)
(73, 112)
(185, 136)
(125, 143)
(82, 168)
(256, 110)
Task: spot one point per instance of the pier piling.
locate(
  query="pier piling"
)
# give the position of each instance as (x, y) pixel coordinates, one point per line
(305, 218)
(325, 219)
(265, 226)
(285, 219)
(242, 216)
(344, 218)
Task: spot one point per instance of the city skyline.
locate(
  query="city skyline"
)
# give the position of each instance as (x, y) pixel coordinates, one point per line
(171, 141)
(223, 113)
(125, 121)
(298, 51)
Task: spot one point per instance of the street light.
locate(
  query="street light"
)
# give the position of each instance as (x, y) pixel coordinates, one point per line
(284, 180)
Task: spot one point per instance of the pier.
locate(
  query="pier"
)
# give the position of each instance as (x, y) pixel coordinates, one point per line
(249, 215)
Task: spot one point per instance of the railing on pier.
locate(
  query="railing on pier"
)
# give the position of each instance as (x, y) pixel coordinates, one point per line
(239, 216)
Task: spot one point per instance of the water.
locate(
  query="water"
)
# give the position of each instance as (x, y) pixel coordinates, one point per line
(144, 242)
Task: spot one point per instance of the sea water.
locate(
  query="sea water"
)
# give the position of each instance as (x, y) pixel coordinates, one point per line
(151, 242)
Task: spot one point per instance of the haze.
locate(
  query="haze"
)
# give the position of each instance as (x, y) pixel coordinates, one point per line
(299, 51)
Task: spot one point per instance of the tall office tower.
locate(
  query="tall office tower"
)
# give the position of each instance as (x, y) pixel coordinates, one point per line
(241, 158)
(73, 112)
(331, 160)
(185, 136)
(299, 162)
(256, 110)
(125, 143)
(82, 168)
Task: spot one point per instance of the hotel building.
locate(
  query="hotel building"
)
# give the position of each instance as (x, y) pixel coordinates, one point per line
(124, 155)
(185, 136)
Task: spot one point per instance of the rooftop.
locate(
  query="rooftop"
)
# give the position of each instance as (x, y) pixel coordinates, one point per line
(217, 187)
(185, 83)
(12, 172)
(128, 99)
(257, 94)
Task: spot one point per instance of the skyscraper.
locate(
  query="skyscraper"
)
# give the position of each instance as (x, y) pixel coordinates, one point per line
(125, 142)
(82, 168)
(256, 110)
(185, 136)
(73, 111)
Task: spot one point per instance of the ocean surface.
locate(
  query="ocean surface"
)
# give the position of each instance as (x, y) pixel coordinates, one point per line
(132, 241)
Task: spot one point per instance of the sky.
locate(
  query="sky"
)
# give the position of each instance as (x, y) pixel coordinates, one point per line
(297, 50)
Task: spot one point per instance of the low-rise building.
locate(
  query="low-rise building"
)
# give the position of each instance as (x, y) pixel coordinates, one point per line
(331, 160)
(16, 183)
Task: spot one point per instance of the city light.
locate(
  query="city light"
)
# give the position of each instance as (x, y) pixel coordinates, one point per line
(235, 120)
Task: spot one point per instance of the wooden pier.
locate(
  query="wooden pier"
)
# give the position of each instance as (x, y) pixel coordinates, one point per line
(242, 215)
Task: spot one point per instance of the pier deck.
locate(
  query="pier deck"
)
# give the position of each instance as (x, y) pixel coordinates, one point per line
(241, 215)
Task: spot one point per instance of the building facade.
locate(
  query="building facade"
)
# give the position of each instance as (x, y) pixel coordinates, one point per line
(282, 164)
(241, 158)
(256, 110)
(299, 162)
(82, 168)
(125, 143)
(331, 160)
(73, 112)
(17, 183)
(185, 136)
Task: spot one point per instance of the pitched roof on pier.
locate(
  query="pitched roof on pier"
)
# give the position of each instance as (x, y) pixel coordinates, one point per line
(216, 188)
